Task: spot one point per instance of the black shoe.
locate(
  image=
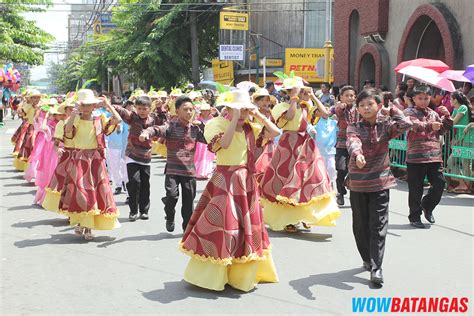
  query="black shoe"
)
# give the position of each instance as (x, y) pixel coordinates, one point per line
(367, 265)
(376, 276)
(118, 190)
(417, 224)
(340, 199)
(132, 217)
(429, 217)
(170, 226)
(144, 216)
(127, 200)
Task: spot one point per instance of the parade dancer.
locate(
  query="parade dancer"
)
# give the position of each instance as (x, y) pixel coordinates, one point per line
(29, 111)
(138, 157)
(48, 157)
(424, 155)
(346, 114)
(41, 126)
(64, 148)
(295, 187)
(87, 198)
(370, 178)
(181, 138)
(203, 158)
(226, 237)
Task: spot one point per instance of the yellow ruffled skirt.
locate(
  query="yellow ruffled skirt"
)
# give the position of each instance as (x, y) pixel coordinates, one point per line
(51, 200)
(321, 211)
(243, 276)
(20, 164)
(159, 149)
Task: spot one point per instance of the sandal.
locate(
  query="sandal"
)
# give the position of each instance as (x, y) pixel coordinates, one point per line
(291, 228)
(88, 234)
(306, 225)
(78, 230)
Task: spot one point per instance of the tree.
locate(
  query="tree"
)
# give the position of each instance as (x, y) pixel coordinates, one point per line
(21, 40)
(151, 42)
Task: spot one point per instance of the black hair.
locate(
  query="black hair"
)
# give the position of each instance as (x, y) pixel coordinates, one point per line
(346, 88)
(143, 100)
(369, 93)
(402, 86)
(326, 84)
(468, 84)
(384, 88)
(252, 89)
(335, 91)
(116, 100)
(463, 100)
(387, 97)
(369, 81)
(421, 89)
(127, 103)
(181, 100)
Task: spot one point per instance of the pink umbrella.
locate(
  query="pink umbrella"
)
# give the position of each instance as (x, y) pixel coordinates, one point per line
(428, 76)
(455, 75)
(434, 64)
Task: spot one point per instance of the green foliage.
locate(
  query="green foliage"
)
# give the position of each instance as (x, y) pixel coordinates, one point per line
(151, 43)
(21, 40)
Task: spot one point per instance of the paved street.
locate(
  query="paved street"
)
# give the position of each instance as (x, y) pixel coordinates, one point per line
(137, 269)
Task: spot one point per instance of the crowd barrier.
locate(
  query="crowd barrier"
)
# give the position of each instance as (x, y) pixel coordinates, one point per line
(458, 152)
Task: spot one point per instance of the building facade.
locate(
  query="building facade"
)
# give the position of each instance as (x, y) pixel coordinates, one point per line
(373, 36)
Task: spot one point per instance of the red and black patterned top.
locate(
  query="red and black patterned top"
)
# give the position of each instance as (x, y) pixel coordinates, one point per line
(136, 150)
(181, 142)
(424, 145)
(345, 117)
(371, 141)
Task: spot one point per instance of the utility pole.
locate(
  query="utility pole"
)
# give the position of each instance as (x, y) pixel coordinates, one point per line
(194, 48)
(328, 44)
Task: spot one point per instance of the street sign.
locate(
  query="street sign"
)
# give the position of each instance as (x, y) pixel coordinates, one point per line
(231, 52)
(223, 71)
(272, 62)
(234, 21)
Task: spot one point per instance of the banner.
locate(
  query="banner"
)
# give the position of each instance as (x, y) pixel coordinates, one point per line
(308, 63)
(231, 52)
(223, 71)
(234, 21)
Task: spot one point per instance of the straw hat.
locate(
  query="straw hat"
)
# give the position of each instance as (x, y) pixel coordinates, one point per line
(204, 106)
(33, 93)
(56, 110)
(291, 83)
(260, 93)
(236, 99)
(86, 96)
(176, 93)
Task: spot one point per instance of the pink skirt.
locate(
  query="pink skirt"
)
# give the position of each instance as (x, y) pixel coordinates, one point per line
(47, 162)
(33, 161)
(204, 161)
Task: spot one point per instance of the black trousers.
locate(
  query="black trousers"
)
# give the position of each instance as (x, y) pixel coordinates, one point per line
(188, 189)
(138, 187)
(370, 224)
(416, 176)
(342, 161)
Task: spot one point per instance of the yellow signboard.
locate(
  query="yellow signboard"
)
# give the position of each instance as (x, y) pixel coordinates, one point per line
(272, 62)
(307, 63)
(223, 71)
(234, 21)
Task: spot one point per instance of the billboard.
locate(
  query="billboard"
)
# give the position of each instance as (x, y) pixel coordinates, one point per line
(308, 63)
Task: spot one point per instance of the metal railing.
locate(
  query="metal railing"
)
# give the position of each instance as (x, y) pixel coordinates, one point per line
(458, 152)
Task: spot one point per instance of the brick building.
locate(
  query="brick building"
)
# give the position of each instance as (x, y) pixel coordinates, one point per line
(372, 36)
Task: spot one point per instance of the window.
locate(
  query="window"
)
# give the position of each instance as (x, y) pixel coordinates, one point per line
(315, 23)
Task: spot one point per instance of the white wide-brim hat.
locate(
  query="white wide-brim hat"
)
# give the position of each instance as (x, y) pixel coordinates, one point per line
(237, 99)
(86, 96)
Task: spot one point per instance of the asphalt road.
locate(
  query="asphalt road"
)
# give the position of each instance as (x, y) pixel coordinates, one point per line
(137, 269)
